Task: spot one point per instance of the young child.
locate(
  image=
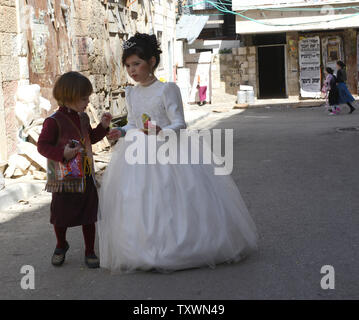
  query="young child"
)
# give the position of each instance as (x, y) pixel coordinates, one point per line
(65, 140)
(164, 216)
(331, 91)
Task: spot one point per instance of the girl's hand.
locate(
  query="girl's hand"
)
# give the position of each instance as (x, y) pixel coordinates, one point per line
(114, 134)
(71, 152)
(106, 120)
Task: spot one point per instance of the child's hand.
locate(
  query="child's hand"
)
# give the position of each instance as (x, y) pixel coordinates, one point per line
(148, 126)
(114, 134)
(71, 152)
(106, 119)
(150, 129)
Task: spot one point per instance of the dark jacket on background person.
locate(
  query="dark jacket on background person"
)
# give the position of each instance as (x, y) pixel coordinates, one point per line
(341, 75)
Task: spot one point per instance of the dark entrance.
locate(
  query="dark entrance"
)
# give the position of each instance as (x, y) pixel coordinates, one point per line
(271, 72)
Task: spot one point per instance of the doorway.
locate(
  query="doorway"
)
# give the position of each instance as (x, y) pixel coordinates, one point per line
(271, 71)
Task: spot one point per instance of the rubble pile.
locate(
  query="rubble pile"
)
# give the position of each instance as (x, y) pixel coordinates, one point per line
(29, 110)
(30, 105)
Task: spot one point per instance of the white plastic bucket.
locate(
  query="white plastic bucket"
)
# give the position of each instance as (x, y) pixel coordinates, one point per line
(250, 96)
(241, 97)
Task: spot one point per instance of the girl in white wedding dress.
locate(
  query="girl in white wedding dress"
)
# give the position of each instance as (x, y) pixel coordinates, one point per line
(165, 216)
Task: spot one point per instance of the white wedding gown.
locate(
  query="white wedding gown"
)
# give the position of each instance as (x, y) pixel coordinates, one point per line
(173, 216)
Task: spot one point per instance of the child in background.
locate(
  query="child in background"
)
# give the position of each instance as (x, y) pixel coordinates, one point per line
(65, 140)
(331, 91)
(202, 92)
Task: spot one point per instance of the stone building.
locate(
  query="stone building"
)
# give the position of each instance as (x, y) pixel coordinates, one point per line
(41, 39)
(294, 41)
(203, 34)
(280, 48)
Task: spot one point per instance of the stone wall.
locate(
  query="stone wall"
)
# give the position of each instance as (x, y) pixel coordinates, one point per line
(350, 52)
(42, 39)
(9, 76)
(231, 70)
(349, 42)
(292, 67)
(84, 36)
(165, 22)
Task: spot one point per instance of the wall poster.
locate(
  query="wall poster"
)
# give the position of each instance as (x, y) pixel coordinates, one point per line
(309, 63)
(332, 52)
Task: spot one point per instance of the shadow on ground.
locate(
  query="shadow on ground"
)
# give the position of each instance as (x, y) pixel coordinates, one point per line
(298, 177)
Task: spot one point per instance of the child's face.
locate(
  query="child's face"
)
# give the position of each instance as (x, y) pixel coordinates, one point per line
(138, 69)
(80, 105)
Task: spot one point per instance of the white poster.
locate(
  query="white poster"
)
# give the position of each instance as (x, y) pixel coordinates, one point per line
(309, 62)
(332, 51)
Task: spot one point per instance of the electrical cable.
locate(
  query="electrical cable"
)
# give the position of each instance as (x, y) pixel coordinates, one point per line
(220, 6)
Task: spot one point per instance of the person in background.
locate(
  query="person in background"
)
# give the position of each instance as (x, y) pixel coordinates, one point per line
(331, 91)
(343, 91)
(202, 92)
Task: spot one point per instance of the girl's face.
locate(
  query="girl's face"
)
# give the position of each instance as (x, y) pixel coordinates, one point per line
(338, 67)
(139, 69)
(80, 105)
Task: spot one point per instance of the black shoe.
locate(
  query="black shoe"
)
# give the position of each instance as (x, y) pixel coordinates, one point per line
(92, 261)
(59, 255)
(351, 110)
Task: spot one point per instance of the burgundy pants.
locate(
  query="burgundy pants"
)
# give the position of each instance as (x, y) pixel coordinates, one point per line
(89, 232)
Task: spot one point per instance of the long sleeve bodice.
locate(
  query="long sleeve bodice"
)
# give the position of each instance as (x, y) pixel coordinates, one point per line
(161, 101)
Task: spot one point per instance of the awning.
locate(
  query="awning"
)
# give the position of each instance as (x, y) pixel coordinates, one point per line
(190, 26)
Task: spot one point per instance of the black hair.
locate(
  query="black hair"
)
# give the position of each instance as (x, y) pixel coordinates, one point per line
(145, 47)
(329, 70)
(341, 64)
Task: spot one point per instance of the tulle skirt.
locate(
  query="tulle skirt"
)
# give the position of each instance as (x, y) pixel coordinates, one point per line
(170, 216)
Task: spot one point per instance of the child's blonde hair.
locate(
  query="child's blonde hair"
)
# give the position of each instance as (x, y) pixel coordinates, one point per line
(71, 87)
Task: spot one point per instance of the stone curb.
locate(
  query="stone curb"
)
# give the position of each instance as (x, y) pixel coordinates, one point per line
(192, 122)
(195, 119)
(15, 192)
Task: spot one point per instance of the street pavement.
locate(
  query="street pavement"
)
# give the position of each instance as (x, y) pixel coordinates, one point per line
(299, 178)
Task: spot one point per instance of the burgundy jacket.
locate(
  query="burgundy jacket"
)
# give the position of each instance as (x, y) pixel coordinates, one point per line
(46, 144)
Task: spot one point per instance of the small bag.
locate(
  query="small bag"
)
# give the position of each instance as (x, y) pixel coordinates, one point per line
(73, 168)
